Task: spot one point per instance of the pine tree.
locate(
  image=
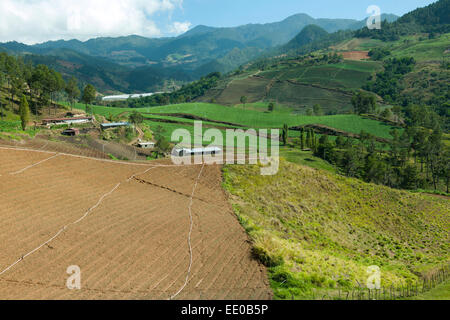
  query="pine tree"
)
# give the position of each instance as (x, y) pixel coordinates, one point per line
(88, 95)
(308, 138)
(302, 139)
(285, 134)
(24, 112)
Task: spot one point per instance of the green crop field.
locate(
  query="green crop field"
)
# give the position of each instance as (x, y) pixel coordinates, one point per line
(305, 96)
(421, 48)
(258, 119)
(348, 74)
(253, 88)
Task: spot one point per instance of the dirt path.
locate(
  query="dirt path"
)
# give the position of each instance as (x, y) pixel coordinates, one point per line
(140, 232)
(138, 138)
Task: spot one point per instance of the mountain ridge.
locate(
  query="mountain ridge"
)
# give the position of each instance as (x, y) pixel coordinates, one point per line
(197, 52)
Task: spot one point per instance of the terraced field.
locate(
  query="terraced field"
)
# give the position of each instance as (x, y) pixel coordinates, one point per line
(254, 117)
(137, 231)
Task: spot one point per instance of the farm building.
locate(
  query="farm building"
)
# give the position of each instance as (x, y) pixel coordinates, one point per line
(59, 121)
(114, 125)
(71, 132)
(146, 145)
(197, 151)
(129, 96)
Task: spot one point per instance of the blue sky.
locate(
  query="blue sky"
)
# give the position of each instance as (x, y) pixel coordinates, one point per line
(32, 21)
(227, 13)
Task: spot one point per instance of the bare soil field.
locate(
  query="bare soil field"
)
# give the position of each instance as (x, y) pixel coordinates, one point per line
(355, 55)
(137, 231)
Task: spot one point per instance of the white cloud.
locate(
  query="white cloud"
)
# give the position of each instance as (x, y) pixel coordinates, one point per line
(32, 21)
(179, 27)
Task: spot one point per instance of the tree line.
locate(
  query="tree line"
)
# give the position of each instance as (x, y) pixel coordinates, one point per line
(37, 86)
(415, 157)
(186, 93)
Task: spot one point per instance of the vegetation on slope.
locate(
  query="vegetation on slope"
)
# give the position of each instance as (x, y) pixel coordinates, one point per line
(314, 229)
(430, 19)
(257, 118)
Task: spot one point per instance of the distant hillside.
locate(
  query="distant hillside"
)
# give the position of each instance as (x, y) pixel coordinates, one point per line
(198, 52)
(108, 76)
(309, 34)
(434, 18)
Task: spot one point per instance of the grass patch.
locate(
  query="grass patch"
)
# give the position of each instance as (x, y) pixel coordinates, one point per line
(316, 230)
(440, 292)
(257, 119)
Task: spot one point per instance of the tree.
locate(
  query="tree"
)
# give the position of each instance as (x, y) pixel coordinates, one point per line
(446, 168)
(435, 155)
(302, 139)
(162, 146)
(308, 138)
(89, 94)
(2, 77)
(309, 112)
(397, 110)
(136, 117)
(285, 134)
(55, 83)
(340, 141)
(363, 102)
(72, 90)
(39, 86)
(387, 114)
(271, 106)
(318, 110)
(409, 177)
(244, 100)
(24, 112)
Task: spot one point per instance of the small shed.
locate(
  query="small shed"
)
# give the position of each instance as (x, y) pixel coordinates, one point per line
(59, 121)
(197, 151)
(114, 125)
(71, 132)
(146, 145)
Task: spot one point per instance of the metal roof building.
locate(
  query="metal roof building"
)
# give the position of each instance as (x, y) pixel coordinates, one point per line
(57, 121)
(114, 125)
(197, 151)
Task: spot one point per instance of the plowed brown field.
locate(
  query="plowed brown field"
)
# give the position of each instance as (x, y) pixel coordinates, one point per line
(355, 55)
(126, 226)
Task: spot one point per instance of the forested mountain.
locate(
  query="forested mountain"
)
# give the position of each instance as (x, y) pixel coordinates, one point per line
(109, 62)
(309, 34)
(434, 18)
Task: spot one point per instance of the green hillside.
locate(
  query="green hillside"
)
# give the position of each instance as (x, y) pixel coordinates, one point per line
(254, 118)
(314, 229)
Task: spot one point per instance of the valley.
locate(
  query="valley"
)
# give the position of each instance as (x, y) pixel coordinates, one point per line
(89, 171)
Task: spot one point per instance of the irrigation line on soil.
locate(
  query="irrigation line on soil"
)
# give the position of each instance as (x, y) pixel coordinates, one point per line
(189, 236)
(33, 165)
(96, 159)
(119, 162)
(72, 223)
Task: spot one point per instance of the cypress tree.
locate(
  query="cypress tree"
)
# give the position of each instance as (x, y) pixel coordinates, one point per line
(285, 134)
(308, 139)
(24, 112)
(302, 139)
(311, 139)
